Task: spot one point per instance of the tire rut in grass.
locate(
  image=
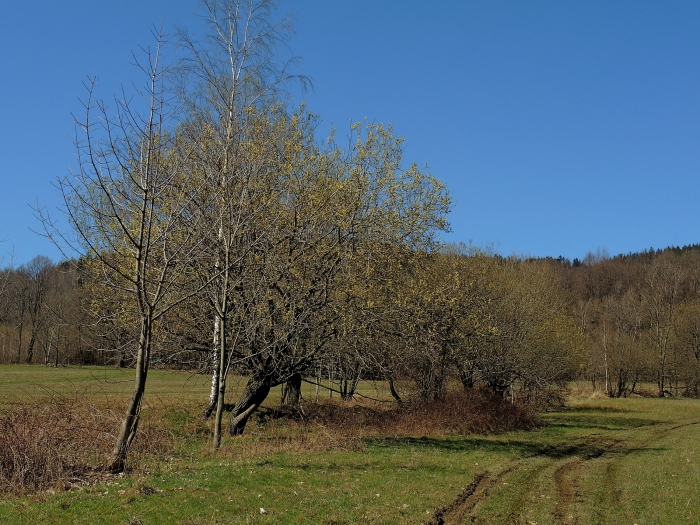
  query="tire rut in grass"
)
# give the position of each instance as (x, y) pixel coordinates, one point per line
(608, 492)
(683, 425)
(460, 510)
(477, 491)
(572, 458)
(565, 477)
(567, 492)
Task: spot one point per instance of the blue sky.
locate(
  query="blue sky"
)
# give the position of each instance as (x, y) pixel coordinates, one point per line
(560, 127)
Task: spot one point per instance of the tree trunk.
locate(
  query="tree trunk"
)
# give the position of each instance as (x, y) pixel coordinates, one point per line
(348, 387)
(117, 460)
(19, 344)
(220, 374)
(392, 389)
(47, 350)
(58, 345)
(605, 361)
(30, 348)
(291, 392)
(256, 390)
(318, 383)
(217, 367)
(662, 373)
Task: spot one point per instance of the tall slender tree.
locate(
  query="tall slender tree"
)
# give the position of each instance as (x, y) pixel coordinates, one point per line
(128, 206)
(229, 79)
(37, 274)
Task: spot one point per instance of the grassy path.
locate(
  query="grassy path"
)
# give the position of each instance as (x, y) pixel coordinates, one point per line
(604, 462)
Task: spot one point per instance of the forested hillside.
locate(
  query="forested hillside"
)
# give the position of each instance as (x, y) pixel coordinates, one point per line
(640, 313)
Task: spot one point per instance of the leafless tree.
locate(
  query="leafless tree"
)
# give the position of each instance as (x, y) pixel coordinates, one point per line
(127, 204)
(5, 274)
(661, 296)
(36, 275)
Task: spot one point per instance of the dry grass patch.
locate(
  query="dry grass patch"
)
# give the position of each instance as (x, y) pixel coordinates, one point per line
(463, 412)
(349, 425)
(60, 440)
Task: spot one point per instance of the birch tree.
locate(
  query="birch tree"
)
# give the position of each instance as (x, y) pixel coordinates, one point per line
(229, 80)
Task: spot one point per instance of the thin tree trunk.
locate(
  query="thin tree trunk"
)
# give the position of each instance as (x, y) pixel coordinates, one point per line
(392, 389)
(58, 345)
(217, 366)
(221, 380)
(318, 383)
(130, 423)
(30, 348)
(19, 345)
(47, 353)
(605, 363)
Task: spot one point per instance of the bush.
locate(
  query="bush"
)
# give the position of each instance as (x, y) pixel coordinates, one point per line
(463, 412)
(60, 441)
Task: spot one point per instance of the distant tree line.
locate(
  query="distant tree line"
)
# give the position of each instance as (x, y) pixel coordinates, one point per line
(41, 316)
(641, 316)
(421, 320)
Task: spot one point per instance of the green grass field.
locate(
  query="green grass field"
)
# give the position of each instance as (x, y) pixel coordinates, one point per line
(621, 461)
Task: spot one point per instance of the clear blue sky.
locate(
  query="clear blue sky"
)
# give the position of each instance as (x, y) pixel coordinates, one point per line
(560, 127)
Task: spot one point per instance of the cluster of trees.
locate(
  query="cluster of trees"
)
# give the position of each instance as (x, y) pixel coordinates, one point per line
(641, 315)
(465, 316)
(420, 319)
(208, 222)
(208, 200)
(41, 315)
(210, 229)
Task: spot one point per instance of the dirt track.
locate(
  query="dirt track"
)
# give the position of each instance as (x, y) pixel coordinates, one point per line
(459, 510)
(518, 487)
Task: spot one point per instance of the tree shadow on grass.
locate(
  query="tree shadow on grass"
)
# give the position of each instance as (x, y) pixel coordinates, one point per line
(600, 422)
(520, 448)
(586, 448)
(555, 445)
(603, 409)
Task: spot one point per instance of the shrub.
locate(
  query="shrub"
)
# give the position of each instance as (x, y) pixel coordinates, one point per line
(463, 412)
(60, 441)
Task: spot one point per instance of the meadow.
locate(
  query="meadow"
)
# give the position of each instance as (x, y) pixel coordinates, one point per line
(599, 460)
